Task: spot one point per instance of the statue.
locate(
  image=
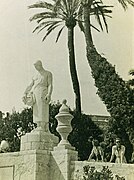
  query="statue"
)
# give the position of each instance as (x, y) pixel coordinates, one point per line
(118, 151)
(38, 96)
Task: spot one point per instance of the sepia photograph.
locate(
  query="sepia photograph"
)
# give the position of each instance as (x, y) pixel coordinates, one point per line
(67, 90)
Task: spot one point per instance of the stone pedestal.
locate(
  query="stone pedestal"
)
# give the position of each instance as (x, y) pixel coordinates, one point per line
(36, 148)
(64, 159)
(40, 158)
(39, 145)
(64, 154)
(38, 140)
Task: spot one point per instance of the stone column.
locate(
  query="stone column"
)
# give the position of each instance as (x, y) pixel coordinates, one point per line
(64, 154)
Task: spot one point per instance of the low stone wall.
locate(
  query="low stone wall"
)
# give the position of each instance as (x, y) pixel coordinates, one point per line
(27, 165)
(8, 163)
(37, 165)
(59, 164)
(125, 170)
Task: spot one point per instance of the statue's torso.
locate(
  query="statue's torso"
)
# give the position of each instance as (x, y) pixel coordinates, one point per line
(41, 81)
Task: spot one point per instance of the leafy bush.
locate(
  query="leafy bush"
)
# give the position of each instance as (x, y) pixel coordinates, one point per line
(90, 173)
(13, 126)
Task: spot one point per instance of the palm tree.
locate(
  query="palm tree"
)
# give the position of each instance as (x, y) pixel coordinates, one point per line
(88, 6)
(61, 13)
(113, 90)
(98, 63)
(67, 13)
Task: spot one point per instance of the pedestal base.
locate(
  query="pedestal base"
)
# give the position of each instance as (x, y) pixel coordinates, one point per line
(64, 158)
(38, 140)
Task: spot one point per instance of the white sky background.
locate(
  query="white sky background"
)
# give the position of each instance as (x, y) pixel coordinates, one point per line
(20, 48)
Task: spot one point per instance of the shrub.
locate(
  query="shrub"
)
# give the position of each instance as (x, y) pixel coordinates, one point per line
(90, 173)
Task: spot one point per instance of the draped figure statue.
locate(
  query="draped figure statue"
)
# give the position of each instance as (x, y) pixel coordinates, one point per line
(38, 95)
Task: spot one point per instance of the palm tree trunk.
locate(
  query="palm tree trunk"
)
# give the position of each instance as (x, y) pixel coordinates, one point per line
(87, 29)
(73, 70)
(90, 49)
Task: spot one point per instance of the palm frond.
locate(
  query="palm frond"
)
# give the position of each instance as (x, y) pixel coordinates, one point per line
(59, 33)
(98, 18)
(43, 25)
(53, 24)
(66, 4)
(80, 18)
(104, 20)
(41, 4)
(69, 3)
(75, 6)
(43, 15)
(125, 3)
(95, 28)
(103, 11)
(81, 25)
(80, 12)
(49, 25)
(63, 4)
(59, 7)
(99, 11)
(50, 30)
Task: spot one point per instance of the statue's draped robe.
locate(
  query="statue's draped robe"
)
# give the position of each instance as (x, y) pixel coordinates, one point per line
(40, 90)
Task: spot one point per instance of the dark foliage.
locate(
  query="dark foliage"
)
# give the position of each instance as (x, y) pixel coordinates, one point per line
(14, 125)
(118, 97)
(84, 130)
(90, 173)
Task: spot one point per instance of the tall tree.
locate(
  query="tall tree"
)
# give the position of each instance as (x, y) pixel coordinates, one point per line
(114, 92)
(55, 14)
(66, 13)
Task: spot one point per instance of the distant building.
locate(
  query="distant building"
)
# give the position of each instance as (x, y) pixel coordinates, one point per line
(101, 121)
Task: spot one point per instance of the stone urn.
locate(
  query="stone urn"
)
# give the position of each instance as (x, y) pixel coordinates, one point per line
(64, 124)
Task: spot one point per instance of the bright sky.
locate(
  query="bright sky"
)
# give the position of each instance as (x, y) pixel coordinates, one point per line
(20, 48)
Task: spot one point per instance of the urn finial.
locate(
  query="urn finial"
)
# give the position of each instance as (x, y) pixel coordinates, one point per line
(64, 108)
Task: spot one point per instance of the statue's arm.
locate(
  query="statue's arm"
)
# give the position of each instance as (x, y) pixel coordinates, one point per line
(50, 84)
(50, 87)
(29, 87)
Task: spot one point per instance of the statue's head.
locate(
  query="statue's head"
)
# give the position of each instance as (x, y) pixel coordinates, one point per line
(38, 65)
